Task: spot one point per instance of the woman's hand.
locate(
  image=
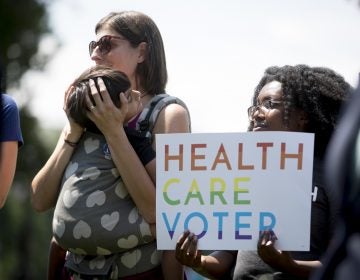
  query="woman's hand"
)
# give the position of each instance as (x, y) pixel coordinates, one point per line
(277, 259)
(281, 260)
(103, 112)
(186, 250)
(213, 266)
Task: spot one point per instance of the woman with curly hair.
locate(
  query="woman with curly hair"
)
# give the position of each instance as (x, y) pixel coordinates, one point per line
(289, 98)
(317, 92)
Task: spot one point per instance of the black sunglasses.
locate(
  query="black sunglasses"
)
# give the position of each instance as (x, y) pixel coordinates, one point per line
(104, 44)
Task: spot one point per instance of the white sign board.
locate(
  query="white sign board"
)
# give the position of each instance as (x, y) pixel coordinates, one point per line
(226, 187)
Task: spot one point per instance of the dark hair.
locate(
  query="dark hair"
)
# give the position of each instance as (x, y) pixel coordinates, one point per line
(318, 91)
(137, 27)
(115, 82)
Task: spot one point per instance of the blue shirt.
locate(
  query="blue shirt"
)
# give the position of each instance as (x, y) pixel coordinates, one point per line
(10, 121)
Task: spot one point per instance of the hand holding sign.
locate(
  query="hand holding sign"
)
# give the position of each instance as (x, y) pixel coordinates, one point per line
(186, 250)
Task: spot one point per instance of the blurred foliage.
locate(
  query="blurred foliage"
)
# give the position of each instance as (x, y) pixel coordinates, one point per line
(25, 234)
(22, 23)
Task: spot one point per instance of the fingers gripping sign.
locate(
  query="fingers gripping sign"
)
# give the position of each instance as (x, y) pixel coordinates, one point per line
(266, 244)
(281, 260)
(186, 250)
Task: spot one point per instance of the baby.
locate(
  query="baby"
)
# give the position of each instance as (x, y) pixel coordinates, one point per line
(95, 218)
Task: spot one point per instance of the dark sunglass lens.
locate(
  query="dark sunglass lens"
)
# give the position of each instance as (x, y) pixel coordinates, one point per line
(92, 46)
(104, 44)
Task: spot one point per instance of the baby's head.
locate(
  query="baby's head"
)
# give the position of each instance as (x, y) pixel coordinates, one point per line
(115, 82)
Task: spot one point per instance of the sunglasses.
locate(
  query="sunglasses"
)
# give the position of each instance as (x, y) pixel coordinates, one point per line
(104, 44)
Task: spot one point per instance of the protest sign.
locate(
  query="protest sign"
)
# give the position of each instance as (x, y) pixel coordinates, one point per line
(226, 187)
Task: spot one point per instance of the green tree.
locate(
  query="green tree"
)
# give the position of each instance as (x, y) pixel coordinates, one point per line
(25, 234)
(22, 23)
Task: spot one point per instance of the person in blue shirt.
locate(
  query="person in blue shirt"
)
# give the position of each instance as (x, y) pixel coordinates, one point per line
(10, 141)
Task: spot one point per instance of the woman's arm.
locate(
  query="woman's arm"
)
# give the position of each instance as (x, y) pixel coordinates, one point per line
(46, 184)
(174, 118)
(151, 169)
(8, 158)
(139, 184)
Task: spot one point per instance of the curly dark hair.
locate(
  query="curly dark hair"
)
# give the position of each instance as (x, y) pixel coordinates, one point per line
(318, 91)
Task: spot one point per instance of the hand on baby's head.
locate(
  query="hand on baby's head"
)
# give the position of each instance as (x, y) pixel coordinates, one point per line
(75, 101)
